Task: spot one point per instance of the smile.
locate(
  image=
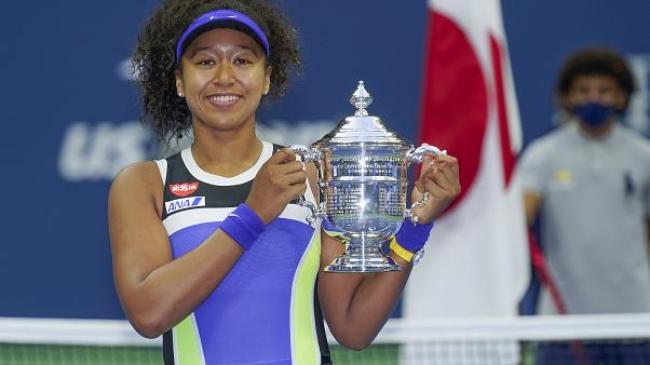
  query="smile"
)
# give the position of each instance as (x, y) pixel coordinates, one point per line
(223, 100)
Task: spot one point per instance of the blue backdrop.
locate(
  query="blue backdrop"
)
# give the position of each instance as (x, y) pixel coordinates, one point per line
(70, 113)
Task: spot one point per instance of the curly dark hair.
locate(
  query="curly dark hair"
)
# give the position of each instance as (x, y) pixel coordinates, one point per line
(154, 58)
(599, 61)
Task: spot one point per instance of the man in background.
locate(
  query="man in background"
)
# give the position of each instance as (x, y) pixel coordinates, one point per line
(588, 183)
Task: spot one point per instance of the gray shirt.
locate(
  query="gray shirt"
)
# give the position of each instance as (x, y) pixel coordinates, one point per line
(594, 212)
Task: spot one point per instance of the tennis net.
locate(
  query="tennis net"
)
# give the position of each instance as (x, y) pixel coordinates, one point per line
(579, 340)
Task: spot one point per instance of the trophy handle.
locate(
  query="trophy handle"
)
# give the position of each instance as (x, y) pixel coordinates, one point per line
(417, 155)
(307, 154)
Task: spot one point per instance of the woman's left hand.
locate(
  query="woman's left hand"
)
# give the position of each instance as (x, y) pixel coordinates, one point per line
(438, 178)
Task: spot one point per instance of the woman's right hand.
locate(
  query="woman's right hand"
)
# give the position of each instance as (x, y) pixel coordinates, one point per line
(280, 180)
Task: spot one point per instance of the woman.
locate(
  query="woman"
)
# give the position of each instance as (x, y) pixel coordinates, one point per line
(208, 246)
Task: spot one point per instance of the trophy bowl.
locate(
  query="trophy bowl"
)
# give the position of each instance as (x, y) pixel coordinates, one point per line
(362, 180)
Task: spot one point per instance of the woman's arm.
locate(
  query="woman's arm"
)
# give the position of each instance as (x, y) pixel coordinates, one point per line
(356, 305)
(156, 291)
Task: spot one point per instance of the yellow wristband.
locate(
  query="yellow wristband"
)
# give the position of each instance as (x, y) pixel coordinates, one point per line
(401, 251)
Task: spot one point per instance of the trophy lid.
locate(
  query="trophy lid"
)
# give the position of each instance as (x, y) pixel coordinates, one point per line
(361, 127)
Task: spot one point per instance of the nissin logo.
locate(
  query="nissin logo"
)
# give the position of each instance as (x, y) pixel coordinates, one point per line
(180, 204)
(184, 189)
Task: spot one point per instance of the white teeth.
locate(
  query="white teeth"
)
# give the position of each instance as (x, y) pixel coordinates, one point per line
(224, 99)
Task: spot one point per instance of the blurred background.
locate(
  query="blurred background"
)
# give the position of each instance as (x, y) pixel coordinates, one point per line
(71, 111)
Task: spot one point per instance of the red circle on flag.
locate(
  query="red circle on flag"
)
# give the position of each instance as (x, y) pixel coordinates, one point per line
(455, 100)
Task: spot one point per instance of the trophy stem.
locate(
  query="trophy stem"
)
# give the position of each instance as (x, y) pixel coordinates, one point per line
(363, 254)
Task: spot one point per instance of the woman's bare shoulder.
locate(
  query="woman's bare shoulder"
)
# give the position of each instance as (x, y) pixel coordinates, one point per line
(140, 180)
(143, 173)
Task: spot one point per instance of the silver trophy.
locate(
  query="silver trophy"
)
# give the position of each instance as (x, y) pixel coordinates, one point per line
(362, 178)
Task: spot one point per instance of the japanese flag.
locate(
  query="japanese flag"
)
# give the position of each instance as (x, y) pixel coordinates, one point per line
(476, 261)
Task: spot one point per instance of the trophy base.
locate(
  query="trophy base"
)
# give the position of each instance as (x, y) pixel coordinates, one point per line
(376, 263)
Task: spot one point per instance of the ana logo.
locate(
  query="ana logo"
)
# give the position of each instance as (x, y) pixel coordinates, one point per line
(184, 189)
(180, 204)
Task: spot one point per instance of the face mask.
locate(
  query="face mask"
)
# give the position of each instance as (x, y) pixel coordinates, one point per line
(593, 114)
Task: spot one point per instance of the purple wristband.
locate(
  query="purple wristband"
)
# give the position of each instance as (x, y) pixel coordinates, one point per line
(413, 237)
(243, 225)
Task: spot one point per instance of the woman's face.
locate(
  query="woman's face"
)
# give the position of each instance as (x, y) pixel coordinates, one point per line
(223, 76)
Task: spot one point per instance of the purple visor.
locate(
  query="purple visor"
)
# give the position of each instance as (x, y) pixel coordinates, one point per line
(223, 18)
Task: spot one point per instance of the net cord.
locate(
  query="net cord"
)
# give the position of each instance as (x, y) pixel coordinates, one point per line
(396, 331)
